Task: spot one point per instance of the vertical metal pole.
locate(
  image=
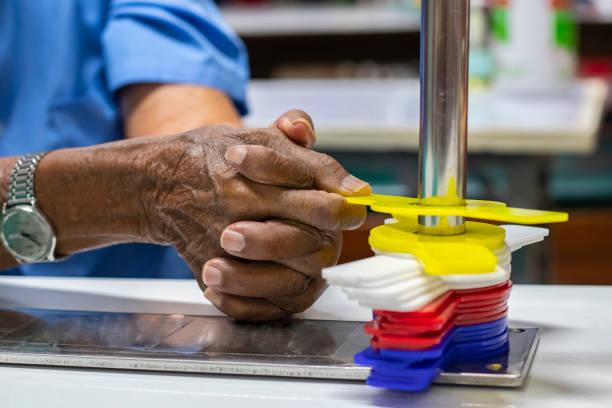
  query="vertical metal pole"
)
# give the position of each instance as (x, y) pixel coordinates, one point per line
(444, 101)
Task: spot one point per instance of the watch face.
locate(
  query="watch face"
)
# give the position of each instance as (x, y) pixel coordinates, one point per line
(26, 234)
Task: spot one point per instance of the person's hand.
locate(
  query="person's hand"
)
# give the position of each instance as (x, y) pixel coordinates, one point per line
(287, 277)
(270, 200)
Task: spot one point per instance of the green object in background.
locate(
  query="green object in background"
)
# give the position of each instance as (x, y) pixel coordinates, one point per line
(500, 24)
(565, 30)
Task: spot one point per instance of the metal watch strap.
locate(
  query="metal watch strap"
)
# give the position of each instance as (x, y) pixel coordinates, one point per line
(21, 182)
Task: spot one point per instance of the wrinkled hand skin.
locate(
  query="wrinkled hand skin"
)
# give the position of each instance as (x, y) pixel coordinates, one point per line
(275, 205)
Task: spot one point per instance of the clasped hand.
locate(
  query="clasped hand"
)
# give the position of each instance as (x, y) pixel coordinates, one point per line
(277, 206)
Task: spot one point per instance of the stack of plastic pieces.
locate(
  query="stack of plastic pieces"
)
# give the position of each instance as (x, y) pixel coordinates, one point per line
(415, 370)
(436, 301)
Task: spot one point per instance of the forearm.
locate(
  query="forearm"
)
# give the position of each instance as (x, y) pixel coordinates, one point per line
(164, 109)
(89, 195)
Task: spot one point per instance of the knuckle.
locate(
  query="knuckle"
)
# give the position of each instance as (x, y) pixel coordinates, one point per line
(239, 312)
(331, 165)
(336, 238)
(292, 304)
(235, 188)
(297, 284)
(314, 238)
(300, 307)
(275, 160)
(237, 193)
(330, 255)
(313, 264)
(273, 248)
(332, 212)
(297, 304)
(301, 176)
(292, 170)
(270, 137)
(254, 136)
(270, 164)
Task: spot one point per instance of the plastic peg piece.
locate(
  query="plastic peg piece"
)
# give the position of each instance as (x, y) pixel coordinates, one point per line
(369, 271)
(428, 325)
(467, 253)
(518, 236)
(402, 207)
(415, 370)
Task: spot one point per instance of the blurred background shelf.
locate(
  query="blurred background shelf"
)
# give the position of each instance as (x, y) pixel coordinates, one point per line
(323, 18)
(383, 31)
(354, 64)
(309, 20)
(383, 115)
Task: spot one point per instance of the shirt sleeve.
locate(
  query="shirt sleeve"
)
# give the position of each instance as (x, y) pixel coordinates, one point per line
(178, 41)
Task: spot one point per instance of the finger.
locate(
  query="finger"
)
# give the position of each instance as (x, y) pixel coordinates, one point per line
(267, 166)
(324, 211)
(247, 200)
(271, 240)
(328, 174)
(243, 308)
(297, 304)
(312, 264)
(255, 279)
(296, 246)
(297, 125)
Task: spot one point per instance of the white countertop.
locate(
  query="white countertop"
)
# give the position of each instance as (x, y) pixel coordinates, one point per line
(573, 366)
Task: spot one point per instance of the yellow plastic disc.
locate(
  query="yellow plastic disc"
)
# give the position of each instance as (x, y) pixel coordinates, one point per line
(467, 253)
(403, 207)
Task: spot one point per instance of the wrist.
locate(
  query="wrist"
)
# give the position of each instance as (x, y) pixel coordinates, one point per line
(90, 195)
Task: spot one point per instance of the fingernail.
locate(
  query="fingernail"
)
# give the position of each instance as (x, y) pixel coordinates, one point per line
(304, 122)
(353, 184)
(284, 122)
(232, 241)
(213, 296)
(211, 275)
(310, 141)
(236, 154)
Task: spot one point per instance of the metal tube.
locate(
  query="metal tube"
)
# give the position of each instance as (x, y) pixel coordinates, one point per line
(444, 101)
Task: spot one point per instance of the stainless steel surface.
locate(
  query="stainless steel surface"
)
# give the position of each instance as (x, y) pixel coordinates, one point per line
(444, 104)
(508, 370)
(217, 345)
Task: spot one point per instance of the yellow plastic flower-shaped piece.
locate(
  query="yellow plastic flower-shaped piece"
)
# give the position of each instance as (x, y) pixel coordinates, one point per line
(405, 207)
(467, 253)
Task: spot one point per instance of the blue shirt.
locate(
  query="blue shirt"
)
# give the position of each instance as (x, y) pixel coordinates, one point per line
(61, 63)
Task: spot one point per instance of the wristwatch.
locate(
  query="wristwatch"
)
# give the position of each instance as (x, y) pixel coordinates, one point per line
(25, 231)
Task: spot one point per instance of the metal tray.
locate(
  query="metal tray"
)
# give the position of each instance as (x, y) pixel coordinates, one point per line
(218, 345)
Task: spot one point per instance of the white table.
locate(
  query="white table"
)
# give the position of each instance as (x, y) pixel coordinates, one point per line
(573, 367)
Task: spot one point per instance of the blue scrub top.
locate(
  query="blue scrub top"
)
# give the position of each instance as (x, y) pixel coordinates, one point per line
(61, 62)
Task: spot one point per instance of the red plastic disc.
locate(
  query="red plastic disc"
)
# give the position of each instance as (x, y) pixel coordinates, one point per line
(427, 326)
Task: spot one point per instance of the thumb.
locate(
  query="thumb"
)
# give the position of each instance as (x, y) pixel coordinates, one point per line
(297, 126)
